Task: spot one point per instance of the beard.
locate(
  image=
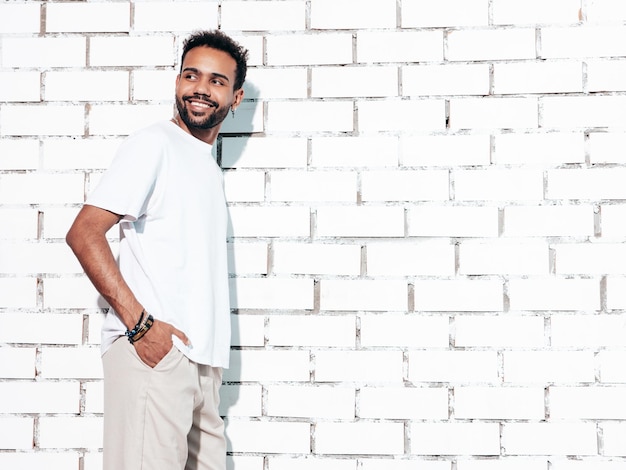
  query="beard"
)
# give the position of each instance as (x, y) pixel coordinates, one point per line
(197, 122)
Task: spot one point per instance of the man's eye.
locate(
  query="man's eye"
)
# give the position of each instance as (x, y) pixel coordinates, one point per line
(217, 82)
(191, 77)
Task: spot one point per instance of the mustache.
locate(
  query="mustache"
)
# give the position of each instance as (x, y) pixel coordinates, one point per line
(201, 97)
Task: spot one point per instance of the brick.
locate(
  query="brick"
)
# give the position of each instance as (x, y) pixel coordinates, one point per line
(605, 75)
(613, 223)
(351, 14)
(358, 366)
(538, 77)
(613, 435)
(586, 41)
(615, 293)
(75, 154)
(587, 464)
(19, 86)
(503, 403)
(276, 83)
(312, 49)
(455, 438)
(453, 366)
(404, 464)
(606, 10)
(67, 363)
(361, 221)
(597, 183)
(94, 17)
(240, 400)
(589, 331)
(400, 330)
(362, 81)
(57, 221)
(20, 18)
(94, 397)
(95, 322)
(315, 186)
(75, 292)
(310, 463)
(124, 119)
(17, 363)
(43, 52)
(498, 113)
(263, 16)
(19, 154)
(447, 79)
(407, 185)
(182, 16)
(312, 330)
(497, 185)
(425, 14)
(504, 463)
(445, 150)
(604, 148)
(545, 221)
(453, 221)
(575, 403)
(35, 120)
(271, 293)
(540, 149)
(244, 462)
(49, 328)
(504, 257)
(538, 367)
(272, 437)
(70, 432)
(266, 152)
(596, 258)
(499, 331)
(310, 402)
(92, 460)
(18, 292)
(403, 403)
(18, 224)
(248, 258)
(373, 295)
(255, 44)
(244, 186)
(16, 433)
(131, 51)
(414, 258)
(491, 44)
(248, 119)
(316, 258)
(535, 11)
(360, 152)
(359, 438)
(153, 85)
(399, 46)
(549, 438)
(269, 221)
(458, 295)
(310, 116)
(86, 86)
(23, 258)
(40, 397)
(552, 293)
(403, 115)
(583, 111)
(247, 330)
(48, 460)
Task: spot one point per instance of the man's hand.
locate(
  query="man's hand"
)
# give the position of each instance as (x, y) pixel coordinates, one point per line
(157, 342)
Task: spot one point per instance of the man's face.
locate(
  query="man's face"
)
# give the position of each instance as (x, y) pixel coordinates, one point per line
(204, 88)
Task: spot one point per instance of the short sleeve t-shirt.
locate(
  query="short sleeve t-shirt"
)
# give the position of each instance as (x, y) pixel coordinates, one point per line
(169, 191)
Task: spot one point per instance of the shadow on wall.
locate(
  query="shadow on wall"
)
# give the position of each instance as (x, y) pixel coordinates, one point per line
(248, 119)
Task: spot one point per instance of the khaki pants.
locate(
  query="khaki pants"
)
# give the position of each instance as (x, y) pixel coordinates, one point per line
(164, 418)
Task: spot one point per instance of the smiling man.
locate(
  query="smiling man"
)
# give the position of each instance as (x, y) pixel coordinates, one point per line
(166, 336)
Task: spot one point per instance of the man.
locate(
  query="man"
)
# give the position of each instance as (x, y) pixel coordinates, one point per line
(166, 336)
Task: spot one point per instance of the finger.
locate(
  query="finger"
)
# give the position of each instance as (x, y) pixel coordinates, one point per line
(182, 336)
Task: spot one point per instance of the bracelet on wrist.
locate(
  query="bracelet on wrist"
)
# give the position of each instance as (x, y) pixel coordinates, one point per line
(141, 328)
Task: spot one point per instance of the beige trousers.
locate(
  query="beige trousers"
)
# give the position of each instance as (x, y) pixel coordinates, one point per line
(161, 418)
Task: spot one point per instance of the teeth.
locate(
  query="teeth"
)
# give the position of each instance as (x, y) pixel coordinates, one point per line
(202, 105)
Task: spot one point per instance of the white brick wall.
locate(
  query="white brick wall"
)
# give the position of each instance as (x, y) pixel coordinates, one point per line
(427, 227)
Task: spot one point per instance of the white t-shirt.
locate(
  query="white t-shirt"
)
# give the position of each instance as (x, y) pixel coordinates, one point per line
(169, 190)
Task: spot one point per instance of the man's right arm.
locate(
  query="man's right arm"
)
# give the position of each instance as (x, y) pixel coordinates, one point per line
(87, 239)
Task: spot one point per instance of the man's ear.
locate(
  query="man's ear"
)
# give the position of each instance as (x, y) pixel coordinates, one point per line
(238, 98)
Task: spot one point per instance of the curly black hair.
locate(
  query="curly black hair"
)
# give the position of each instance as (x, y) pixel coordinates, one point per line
(222, 42)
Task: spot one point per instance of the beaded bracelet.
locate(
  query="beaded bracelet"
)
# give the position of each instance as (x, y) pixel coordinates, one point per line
(140, 329)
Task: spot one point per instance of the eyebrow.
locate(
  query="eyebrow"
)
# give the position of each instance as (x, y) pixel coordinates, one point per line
(214, 74)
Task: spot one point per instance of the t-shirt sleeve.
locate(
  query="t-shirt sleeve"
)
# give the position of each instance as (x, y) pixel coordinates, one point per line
(126, 187)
